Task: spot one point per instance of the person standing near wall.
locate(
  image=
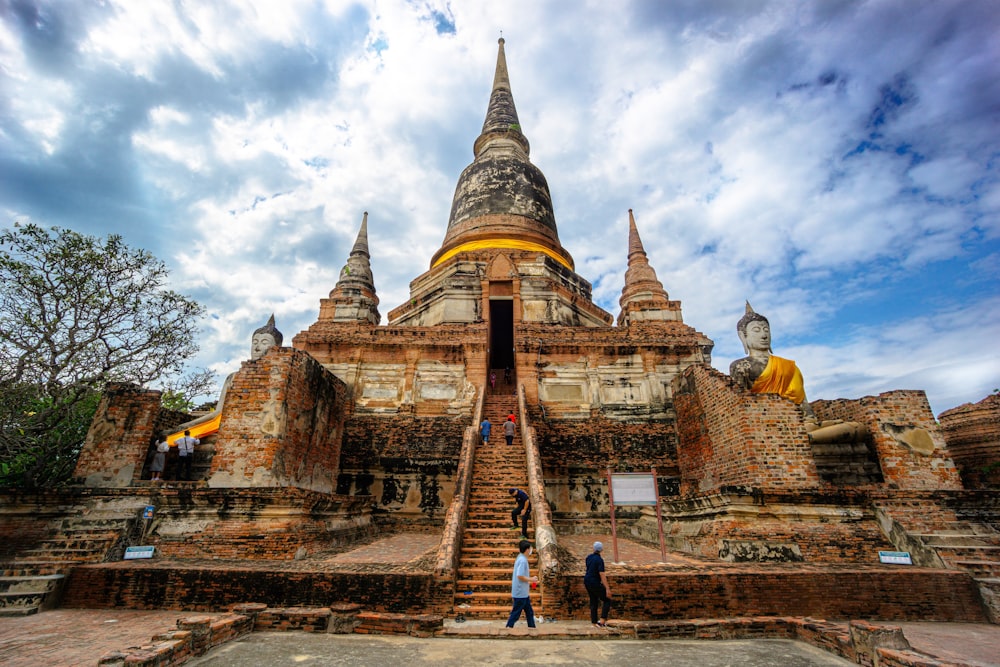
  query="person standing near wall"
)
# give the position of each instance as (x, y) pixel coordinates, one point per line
(185, 453)
(521, 583)
(159, 460)
(596, 582)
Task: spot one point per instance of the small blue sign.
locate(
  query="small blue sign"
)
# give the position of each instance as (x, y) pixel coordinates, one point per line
(132, 553)
(895, 557)
(148, 512)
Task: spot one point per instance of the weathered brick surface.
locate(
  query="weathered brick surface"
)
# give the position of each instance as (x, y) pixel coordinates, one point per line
(381, 623)
(730, 437)
(208, 589)
(972, 434)
(746, 525)
(114, 453)
(899, 423)
(282, 425)
(833, 593)
(254, 524)
(407, 464)
(306, 619)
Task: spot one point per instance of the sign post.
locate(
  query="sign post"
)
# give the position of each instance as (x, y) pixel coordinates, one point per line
(634, 488)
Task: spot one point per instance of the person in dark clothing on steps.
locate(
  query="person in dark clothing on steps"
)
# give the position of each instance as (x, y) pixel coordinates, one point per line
(523, 510)
(508, 431)
(596, 583)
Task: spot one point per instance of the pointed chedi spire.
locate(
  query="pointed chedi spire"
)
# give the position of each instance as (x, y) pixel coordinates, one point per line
(502, 201)
(354, 298)
(501, 127)
(361, 244)
(643, 297)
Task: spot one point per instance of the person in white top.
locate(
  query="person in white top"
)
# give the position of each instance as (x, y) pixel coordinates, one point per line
(185, 451)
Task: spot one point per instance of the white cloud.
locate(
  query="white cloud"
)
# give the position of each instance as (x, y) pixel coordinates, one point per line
(819, 159)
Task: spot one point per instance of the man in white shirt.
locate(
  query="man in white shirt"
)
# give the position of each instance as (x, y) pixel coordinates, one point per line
(185, 450)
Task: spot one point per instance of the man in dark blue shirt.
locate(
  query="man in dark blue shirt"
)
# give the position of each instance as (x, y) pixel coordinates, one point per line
(523, 510)
(596, 582)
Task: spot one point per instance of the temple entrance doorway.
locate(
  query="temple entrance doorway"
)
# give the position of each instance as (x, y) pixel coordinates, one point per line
(501, 336)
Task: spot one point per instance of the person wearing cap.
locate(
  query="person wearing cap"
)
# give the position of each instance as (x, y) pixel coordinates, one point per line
(522, 511)
(596, 583)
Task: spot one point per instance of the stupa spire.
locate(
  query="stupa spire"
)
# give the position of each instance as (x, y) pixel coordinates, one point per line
(643, 297)
(361, 244)
(501, 126)
(354, 297)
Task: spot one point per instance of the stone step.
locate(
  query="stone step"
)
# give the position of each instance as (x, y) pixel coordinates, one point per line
(490, 562)
(39, 568)
(484, 571)
(510, 552)
(501, 598)
(960, 540)
(953, 554)
(494, 613)
(62, 555)
(483, 585)
(20, 604)
(980, 569)
(31, 583)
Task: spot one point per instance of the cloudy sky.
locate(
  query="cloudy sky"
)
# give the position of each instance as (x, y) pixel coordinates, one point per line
(837, 163)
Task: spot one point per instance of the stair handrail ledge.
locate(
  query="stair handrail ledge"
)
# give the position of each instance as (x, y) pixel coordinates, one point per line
(454, 519)
(545, 535)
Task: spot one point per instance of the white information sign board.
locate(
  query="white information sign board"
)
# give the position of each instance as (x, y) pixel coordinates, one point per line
(132, 553)
(897, 557)
(633, 488)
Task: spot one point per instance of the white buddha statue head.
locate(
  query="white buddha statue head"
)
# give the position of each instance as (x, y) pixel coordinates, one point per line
(754, 331)
(264, 339)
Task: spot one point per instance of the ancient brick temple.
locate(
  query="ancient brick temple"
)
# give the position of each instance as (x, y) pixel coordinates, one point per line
(362, 438)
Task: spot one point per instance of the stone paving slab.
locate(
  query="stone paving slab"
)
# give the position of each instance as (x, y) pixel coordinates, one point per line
(72, 637)
(401, 548)
(278, 650)
(975, 644)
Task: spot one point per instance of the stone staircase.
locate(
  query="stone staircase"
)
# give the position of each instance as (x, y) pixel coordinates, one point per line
(968, 540)
(32, 580)
(847, 463)
(489, 542)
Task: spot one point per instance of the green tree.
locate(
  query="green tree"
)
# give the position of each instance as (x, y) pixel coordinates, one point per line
(77, 312)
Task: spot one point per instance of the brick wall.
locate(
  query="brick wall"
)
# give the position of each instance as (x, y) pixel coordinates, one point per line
(863, 592)
(908, 443)
(730, 437)
(148, 586)
(282, 425)
(407, 463)
(254, 523)
(124, 426)
(576, 454)
(972, 434)
(744, 525)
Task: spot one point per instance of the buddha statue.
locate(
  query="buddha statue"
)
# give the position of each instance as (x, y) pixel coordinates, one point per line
(263, 340)
(761, 372)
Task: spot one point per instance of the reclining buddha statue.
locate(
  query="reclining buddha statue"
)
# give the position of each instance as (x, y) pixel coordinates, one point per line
(761, 372)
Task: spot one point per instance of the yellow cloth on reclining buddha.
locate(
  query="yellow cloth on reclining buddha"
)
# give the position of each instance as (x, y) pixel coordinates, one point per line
(783, 377)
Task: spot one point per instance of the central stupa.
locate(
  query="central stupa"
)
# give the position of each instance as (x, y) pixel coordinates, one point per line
(501, 243)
